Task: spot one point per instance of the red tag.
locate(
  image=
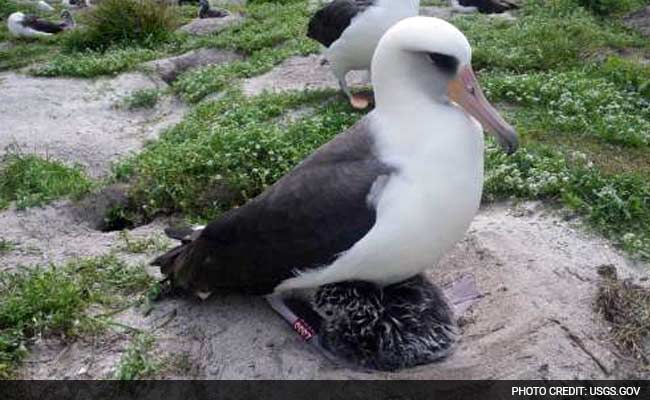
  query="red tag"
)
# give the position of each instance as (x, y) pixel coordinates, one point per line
(303, 329)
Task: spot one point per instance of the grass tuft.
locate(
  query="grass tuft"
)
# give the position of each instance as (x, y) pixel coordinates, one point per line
(235, 147)
(626, 307)
(6, 246)
(142, 98)
(138, 362)
(123, 22)
(54, 301)
(29, 180)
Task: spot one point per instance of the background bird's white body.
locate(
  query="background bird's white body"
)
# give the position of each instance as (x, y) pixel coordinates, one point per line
(44, 6)
(355, 48)
(15, 25)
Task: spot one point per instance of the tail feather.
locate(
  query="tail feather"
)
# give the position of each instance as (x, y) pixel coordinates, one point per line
(179, 264)
(167, 261)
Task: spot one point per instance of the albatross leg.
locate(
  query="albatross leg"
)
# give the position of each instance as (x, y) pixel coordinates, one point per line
(357, 101)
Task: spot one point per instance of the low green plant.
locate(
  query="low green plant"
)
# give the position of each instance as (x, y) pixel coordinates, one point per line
(628, 74)
(609, 7)
(89, 64)
(29, 180)
(7, 7)
(138, 362)
(545, 36)
(54, 301)
(6, 246)
(576, 103)
(270, 34)
(228, 151)
(141, 98)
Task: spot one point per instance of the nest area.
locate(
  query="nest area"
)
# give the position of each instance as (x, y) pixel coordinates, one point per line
(626, 306)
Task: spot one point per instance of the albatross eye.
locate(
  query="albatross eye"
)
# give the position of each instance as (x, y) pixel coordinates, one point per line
(446, 63)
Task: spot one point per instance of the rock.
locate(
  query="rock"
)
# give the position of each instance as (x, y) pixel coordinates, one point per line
(202, 27)
(170, 68)
(639, 20)
(299, 73)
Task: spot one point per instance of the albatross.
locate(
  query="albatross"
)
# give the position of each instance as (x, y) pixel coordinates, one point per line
(29, 25)
(351, 29)
(379, 203)
(205, 11)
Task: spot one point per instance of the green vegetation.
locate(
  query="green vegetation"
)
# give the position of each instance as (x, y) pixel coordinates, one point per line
(7, 7)
(55, 301)
(235, 147)
(584, 121)
(138, 362)
(142, 98)
(608, 7)
(91, 63)
(123, 23)
(33, 181)
(270, 34)
(154, 243)
(6, 246)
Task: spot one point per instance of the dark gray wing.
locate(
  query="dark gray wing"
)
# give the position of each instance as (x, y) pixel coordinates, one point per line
(305, 220)
(490, 6)
(328, 24)
(41, 25)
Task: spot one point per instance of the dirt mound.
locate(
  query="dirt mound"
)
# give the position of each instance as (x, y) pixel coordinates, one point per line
(76, 120)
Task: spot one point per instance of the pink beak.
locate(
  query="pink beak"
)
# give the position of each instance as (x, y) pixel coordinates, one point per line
(466, 92)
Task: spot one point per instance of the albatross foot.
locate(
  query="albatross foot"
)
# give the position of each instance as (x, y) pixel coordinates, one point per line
(360, 101)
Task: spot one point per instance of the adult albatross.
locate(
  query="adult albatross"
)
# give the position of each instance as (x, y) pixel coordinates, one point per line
(29, 25)
(351, 29)
(381, 201)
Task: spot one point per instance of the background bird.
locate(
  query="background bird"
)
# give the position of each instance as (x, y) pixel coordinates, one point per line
(351, 29)
(29, 25)
(206, 12)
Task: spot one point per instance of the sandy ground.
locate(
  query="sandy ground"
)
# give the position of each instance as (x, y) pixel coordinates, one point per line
(536, 272)
(77, 121)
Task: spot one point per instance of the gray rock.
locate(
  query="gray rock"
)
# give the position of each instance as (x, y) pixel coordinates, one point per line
(639, 20)
(202, 27)
(170, 68)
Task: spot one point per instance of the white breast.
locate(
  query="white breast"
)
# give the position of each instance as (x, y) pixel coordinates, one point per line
(424, 208)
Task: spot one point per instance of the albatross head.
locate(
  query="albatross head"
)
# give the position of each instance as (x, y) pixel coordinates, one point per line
(421, 59)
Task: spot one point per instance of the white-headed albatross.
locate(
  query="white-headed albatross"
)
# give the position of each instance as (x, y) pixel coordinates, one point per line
(29, 25)
(380, 202)
(351, 29)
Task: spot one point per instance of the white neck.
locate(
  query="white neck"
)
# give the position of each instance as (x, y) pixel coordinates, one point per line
(404, 81)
